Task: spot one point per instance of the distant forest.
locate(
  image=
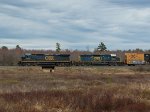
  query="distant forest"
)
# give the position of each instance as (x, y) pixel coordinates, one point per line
(10, 57)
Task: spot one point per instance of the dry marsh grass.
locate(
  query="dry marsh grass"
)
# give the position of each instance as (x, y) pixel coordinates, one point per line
(74, 89)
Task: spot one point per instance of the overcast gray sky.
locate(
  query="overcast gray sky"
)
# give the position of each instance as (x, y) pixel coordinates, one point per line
(76, 24)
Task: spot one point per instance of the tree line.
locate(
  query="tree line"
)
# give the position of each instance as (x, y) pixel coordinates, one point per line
(10, 57)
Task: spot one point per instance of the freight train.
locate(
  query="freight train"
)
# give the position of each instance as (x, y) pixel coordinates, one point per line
(46, 60)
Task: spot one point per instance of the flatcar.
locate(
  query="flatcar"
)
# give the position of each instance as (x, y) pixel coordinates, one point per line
(45, 60)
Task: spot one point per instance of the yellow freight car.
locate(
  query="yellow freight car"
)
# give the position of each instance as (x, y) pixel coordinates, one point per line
(134, 58)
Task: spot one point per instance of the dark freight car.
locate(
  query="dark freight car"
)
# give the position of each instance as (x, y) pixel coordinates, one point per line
(147, 58)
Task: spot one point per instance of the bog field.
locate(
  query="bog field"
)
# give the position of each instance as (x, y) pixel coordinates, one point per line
(75, 89)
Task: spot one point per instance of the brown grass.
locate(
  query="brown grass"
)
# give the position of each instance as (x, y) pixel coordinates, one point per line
(85, 89)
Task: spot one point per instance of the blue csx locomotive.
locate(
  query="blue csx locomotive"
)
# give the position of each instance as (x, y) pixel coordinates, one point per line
(45, 59)
(65, 60)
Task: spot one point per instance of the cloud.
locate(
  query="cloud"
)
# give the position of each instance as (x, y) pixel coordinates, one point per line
(75, 23)
(133, 3)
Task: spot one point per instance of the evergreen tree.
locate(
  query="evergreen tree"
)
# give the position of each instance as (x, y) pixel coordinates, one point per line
(102, 47)
(4, 48)
(58, 49)
(18, 47)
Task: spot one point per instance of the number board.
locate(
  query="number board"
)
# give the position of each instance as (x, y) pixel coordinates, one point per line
(49, 58)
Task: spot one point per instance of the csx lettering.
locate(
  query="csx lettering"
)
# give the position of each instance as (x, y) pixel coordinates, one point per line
(49, 58)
